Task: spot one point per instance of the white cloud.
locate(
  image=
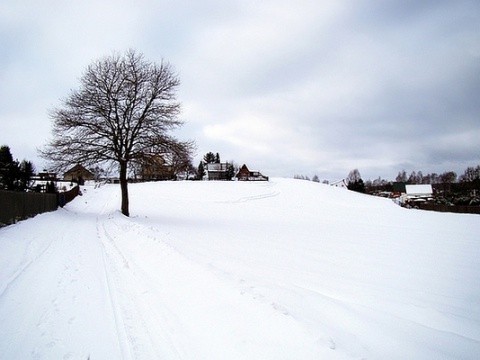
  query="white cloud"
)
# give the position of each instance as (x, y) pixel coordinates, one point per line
(304, 87)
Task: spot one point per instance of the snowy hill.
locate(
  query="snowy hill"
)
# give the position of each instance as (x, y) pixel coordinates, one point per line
(285, 269)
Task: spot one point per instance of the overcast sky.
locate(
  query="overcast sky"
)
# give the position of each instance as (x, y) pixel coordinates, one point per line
(287, 87)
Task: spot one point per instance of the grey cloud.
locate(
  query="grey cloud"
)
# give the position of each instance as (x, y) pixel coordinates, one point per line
(303, 87)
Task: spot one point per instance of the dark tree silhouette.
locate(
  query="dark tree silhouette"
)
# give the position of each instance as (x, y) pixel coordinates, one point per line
(210, 158)
(355, 182)
(121, 113)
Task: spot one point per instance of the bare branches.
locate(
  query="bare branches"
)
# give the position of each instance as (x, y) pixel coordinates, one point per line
(123, 109)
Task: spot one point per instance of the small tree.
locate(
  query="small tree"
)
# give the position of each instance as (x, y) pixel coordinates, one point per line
(471, 174)
(230, 170)
(412, 179)
(6, 168)
(200, 171)
(355, 182)
(447, 179)
(122, 114)
(182, 165)
(402, 176)
(5, 156)
(472, 177)
(14, 175)
(97, 172)
(26, 171)
(210, 158)
(353, 176)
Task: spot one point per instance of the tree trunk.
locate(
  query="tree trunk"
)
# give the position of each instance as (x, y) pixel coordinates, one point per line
(124, 187)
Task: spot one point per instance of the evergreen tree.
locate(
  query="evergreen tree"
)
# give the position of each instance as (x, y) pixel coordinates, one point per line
(5, 155)
(358, 186)
(210, 158)
(14, 175)
(200, 171)
(26, 171)
(230, 171)
(7, 168)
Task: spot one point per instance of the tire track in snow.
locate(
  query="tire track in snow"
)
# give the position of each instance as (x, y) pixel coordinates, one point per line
(119, 324)
(41, 308)
(222, 288)
(258, 293)
(127, 295)
(23, 269)
(251, 198)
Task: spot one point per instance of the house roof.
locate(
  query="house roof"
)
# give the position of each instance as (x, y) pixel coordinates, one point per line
(244, 167)
(418, 189)
(216, 166)
(339, 183)
(78, 168)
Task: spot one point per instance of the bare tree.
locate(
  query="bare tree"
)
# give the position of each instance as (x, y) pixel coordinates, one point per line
(122, 113)
(471, 174)
(353, 176)
(402, 176)
(355, 182)
(448, 178)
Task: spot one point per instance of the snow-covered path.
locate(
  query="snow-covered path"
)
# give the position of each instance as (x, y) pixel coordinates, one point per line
(54, 296)
(279, 270)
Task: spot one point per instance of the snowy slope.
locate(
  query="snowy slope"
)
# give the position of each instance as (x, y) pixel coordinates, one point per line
(286, 269)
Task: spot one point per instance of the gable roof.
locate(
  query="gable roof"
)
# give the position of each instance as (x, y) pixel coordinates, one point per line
(216, 166)
(418, 189)
(78, 169)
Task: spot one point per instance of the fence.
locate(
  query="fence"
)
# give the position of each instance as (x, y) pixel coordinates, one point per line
(465, 209)
(17, 205)
(67, 196)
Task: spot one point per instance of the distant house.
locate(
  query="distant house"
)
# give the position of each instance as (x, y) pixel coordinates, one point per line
(416, 193)
(412, 190)
(46, 176)
(398, 188)
(217, 171)
(419, 190)
(342, 183)
(244, 174)
(78, 174)
(155, 168)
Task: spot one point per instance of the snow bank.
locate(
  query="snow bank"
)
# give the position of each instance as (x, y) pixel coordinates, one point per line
(285, 269)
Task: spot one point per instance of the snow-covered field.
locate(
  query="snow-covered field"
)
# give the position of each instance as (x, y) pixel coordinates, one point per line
(286, 269)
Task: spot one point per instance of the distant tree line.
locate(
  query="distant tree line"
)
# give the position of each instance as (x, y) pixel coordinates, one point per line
(448, 187)
(469, 180)
(14, 175)
(315, 178)
(447, 183)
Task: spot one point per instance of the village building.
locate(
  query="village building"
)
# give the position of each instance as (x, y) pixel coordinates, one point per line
(217, 171)
(46, 176)
(78, 174)
(244, 174)
(416, 193)
(155, 168)
(342, 183)
(398, 188)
